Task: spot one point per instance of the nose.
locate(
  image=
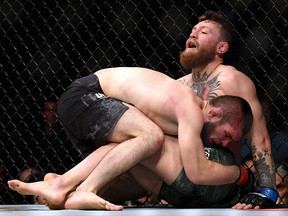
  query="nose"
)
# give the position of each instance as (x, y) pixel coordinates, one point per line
(226, 142)
(193, 34)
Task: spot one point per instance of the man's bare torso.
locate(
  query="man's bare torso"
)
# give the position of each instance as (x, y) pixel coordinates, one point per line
(153, 93)
(209, 86)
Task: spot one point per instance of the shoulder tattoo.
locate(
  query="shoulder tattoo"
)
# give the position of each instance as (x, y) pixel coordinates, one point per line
(186, 82)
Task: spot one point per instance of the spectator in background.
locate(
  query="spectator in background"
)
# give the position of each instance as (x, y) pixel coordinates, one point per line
(51, 124)
(56, 141)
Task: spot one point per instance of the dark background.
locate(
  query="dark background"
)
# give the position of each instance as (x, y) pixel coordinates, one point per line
(47, 44)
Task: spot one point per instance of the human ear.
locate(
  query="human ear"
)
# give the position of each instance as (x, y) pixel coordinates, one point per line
(222, 47)
(215, 114)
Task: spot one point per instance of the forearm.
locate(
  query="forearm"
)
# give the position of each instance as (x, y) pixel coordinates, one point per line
(222, 174)
(267, 195)
(212, 173)
(199, 169)
(264, 165)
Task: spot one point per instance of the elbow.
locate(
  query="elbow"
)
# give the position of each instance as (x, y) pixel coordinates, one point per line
(195, 177)
(267, 140)
(201, 174)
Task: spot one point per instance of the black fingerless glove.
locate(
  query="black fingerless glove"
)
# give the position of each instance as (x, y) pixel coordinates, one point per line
(266, 198)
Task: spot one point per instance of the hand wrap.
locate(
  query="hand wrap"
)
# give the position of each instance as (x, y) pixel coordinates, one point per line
(249, 186)
(244, 176)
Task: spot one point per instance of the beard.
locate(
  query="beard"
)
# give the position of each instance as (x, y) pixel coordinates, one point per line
(190, 60)
(206, 132)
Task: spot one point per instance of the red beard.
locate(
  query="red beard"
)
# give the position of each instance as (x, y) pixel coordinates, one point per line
(189, 60)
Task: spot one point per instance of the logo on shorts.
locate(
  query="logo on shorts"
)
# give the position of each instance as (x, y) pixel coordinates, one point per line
(207, 151)
(99, 95)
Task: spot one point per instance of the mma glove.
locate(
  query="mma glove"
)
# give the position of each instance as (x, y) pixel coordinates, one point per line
(266, 198)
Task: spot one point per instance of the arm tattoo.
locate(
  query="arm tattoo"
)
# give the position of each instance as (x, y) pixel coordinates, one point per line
(206, 90)
(265, 177)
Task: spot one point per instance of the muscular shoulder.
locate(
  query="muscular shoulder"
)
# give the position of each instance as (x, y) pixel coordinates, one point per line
(234, 81)
(230, 73)
(186, 80)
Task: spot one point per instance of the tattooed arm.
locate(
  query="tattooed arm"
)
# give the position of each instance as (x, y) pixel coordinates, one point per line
(260, 162)
(259, 140)
(233, 82)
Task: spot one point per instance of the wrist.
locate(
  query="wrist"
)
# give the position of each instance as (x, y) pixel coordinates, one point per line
(270, 193)
(243, 177)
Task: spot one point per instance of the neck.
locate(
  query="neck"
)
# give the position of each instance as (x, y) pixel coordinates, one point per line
(202, 74)
(204, 108)
(205, 104)
(202, 103)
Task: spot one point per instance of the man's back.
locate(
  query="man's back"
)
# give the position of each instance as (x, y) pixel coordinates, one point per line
(153, 93)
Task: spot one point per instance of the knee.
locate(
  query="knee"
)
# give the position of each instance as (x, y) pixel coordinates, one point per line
(156, 136)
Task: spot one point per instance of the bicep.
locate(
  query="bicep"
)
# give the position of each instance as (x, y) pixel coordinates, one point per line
(189, 135)
(258, 133)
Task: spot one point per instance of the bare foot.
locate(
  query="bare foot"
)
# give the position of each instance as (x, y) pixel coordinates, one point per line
(41, 200)
(50, 176)
(49, 190)
(88, 200)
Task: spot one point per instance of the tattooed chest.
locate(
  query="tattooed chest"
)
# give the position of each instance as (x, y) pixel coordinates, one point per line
(207, 90)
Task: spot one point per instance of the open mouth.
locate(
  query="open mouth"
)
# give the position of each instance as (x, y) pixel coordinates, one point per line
(191, 45)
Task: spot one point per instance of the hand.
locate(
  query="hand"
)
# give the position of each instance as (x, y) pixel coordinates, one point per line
(244, 206)
(265, 199)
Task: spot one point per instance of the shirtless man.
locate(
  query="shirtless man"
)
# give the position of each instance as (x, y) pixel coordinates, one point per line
(156, 95)
(206, 46)
(171, 185)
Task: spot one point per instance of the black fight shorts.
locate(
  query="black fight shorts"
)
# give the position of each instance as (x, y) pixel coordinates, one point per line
(87, 114)
(184, 194)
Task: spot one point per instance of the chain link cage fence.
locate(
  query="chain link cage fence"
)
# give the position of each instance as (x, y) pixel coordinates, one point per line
(45, 45)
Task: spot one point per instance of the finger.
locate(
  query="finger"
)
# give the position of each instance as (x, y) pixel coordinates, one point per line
(236, 205)
(249, 206)
(240, 206)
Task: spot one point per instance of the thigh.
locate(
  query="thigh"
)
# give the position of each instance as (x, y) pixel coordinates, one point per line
(95, 123)
(132, 123)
